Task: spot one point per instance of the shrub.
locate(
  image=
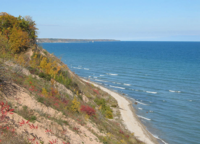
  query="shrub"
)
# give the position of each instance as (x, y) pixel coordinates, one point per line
(96, 91)
(75, 105)
(42, 75)
(32, 118)
(88, 110)
(45, 76)
(105, 109)
(108, 114)
(40, 99)
(33, 70)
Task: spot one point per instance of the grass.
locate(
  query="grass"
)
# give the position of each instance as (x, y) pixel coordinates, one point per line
(27, 114)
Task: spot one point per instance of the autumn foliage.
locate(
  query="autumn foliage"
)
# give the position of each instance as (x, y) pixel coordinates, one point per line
(19, 32)
(88, 110)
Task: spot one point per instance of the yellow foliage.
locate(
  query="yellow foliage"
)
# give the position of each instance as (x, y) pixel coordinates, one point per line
(43, 63)
(44, 92)
(65, 107)
(19, 40)
(49, 67)
(33, 61)
(75, 105)
(123, 141)
(87, 117)
(20, 59)
(109, 114)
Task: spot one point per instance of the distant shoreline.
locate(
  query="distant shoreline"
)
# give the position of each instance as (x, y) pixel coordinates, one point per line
(54, 40)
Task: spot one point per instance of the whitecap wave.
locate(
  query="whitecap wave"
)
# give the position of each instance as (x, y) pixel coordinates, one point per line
(117, 87)
(174, 91)
(111, 74)
(190, 100)
(101, 75)
(159, 139)
(100, 80)
(141, 103)
(86, 69)
(144, 118)
(127, 84)
(140, 108)
(94, 77)
(151, 92)
(76, 67)
(89, 76)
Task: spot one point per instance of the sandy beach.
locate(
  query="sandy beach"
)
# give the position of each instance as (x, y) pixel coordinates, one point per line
(129, 117)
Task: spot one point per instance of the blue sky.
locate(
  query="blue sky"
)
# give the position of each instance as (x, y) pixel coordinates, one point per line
(135, 20)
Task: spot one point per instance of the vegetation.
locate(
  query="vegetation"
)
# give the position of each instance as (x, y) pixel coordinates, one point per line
(19, 32)
(34, 74)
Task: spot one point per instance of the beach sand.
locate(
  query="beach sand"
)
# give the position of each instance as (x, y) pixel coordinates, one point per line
(129, 116)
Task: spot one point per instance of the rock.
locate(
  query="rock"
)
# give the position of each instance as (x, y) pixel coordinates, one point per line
(85, 99)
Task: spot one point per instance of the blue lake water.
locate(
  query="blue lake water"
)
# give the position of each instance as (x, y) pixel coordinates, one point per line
(163, 77)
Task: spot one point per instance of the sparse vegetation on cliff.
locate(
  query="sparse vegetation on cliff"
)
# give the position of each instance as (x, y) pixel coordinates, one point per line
(42, 101)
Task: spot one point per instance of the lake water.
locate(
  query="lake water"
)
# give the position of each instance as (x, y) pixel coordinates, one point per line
(163, 77)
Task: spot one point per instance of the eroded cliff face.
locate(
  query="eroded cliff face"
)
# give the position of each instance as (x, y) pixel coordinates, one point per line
(42, 101)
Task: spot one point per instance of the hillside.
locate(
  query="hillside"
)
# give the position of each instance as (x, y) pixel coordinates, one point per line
(54, 40)
(43, 101)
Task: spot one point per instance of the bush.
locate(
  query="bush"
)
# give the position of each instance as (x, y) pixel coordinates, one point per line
(75, 105)
(33, 70)
(100, 101)
(105, 109)
(40, 99)
(88, 110)
(109, 114)
(45, 76)
(33, 118)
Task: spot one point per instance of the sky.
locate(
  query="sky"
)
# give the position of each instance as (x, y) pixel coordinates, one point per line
(127, 20)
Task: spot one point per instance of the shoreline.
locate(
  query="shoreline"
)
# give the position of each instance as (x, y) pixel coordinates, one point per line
(128, 115)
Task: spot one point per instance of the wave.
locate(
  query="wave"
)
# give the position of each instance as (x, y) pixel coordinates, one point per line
(100, 80)
(159, 138)
(117, 87)
(127, 84)
(141, 103)
(89, 76)
(175, 91)
(86, 69)
(101, 75)
(144, 118)
(152, 92)
(111, 74)
(140, 108)
(76, 67)
(190, 100)
(94, 77)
